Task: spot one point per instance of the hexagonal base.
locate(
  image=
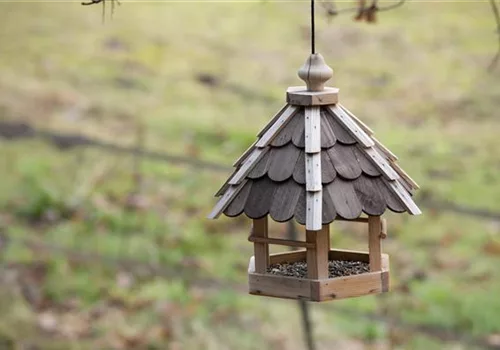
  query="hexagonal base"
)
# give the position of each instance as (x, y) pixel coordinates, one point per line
(319, 290)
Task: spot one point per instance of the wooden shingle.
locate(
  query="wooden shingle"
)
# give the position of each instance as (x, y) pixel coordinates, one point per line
(344, 161)
(316, 164)
(282, 162)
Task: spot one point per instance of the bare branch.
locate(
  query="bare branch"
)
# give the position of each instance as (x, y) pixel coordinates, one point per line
(93, 2)
(364, 12)
(393, 6)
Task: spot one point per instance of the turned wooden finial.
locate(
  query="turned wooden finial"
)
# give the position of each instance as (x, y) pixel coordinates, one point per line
(315, 72)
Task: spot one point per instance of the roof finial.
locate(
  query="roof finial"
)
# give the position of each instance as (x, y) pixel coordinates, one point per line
(315, 72)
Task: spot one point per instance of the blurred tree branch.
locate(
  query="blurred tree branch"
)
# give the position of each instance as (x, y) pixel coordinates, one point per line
(496, 14)
(103, 2)
(368, 14)
(362, 10)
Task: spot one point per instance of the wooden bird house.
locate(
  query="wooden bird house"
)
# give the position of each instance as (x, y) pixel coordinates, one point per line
(316, 162)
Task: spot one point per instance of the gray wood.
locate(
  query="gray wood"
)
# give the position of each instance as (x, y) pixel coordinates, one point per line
(237, 205)
(313, 172)
(405, 197)
(404, 175)
(329, 212)
(299, 95)
(278, 241)
(344, 161)
(285, 135)
(370, 196)
(224, 187)
(314, 210)
(391, 200)
(261, 167)
(384, 150)
(272, 121)
(282, 162)
(313, 129)
(350, 125)
(328, 138)
(341, 134)
(300, 210)
(365, 163)
(247, 165)
(225, 200)
(381, 163)
(299, 173)
(245, 154)
(362, 125)
(298, 137)
(278, 125)
(260, 198)
(285, 201)
(344, 198)
(328, 172)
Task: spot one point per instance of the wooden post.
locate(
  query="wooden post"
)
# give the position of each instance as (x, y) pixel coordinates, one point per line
(261, 250)
(317, 259)
(374, 231)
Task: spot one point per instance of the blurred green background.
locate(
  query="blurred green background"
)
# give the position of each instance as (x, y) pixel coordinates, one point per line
(107, 250)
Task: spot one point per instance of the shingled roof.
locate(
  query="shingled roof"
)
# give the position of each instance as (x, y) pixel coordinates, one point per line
(315, 164)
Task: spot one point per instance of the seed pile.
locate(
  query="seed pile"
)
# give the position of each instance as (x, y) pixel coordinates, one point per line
(336, 268)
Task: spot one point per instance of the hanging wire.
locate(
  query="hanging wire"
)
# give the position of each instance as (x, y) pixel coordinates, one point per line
(313, 30)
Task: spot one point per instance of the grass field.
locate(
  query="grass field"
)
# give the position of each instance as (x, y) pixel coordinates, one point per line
(108, 251)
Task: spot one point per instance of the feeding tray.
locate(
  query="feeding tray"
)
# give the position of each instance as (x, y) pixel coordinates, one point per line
(274, 285)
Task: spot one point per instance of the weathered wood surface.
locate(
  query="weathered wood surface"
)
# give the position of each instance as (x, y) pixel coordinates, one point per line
(290, 256)
(360, 219)
(314, 210)
(237, 205)
(317, 256)
(278, 125)
(356, 131)
(315, 72)
(344, 161)
(313, 172)
(369, 195)
(362, 125)
(312, 129)
(285, 135)
(279, 286)
(344, 198)
(319, 289)
(351, 286)
(225, 200)
(247, 165)
(374, 247)
(317, 164)
(261, 249)
(383, 228)
(279, 241)
(260, 198)
(282, 163)
(299, 95)
(285, 201)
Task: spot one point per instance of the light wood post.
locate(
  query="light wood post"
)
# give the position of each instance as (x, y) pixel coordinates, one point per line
(261, 250)
(374, 248)
(317, 259)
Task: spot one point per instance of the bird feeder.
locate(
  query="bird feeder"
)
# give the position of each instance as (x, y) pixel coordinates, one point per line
(315, 162)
